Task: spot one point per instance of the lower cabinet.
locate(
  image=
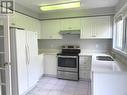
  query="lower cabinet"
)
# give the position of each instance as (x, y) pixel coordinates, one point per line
(85, 67)
(50, 64)
(40, 65)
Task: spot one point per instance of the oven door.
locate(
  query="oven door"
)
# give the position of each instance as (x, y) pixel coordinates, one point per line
(68, 63)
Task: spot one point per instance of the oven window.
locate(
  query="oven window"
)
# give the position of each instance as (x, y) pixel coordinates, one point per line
(67, 62)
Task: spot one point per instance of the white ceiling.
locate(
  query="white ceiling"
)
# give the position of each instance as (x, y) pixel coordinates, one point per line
(85, 4)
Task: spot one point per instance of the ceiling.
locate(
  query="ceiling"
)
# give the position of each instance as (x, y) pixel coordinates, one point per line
(85, 4)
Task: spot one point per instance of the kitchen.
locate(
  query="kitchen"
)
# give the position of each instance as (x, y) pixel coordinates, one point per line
(76, 51)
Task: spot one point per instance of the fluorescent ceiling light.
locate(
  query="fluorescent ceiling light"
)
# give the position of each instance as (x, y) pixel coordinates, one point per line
(60, 6)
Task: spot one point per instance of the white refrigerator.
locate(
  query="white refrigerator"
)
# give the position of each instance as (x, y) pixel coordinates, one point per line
(24, 53)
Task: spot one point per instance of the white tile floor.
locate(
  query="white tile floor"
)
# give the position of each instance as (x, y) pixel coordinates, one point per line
(54, 86)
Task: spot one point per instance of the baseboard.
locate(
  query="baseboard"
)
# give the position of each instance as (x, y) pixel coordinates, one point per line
(41, 77)
(33, 85)
(29, 89)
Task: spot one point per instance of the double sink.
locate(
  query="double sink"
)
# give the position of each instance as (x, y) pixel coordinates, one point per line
(104, 58)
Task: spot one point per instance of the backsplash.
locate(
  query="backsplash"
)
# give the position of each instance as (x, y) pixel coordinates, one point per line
(93, 45)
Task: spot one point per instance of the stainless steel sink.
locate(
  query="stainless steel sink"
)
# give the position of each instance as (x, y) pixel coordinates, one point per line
(104, 58)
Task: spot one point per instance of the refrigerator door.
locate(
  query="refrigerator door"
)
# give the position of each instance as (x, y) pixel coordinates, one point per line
(18, 57)
(32, 58)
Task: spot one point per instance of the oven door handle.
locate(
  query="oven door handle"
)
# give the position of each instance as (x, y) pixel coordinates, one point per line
(67, 56)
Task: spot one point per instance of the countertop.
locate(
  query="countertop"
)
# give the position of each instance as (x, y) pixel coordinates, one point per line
(100, 66)
(104, 66)
(109, 76)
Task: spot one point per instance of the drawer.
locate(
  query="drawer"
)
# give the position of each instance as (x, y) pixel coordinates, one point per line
(85, 58)
(85, 62)
(67, 75)
(84, 66)
(85, 69)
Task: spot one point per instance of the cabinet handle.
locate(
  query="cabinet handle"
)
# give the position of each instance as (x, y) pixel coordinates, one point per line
(26, 54)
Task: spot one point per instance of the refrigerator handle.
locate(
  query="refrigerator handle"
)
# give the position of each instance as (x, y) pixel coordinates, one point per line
(26, 54)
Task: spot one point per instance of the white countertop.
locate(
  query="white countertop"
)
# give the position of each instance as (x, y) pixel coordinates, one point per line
(104, 66)
(100, 66)
(109, 76)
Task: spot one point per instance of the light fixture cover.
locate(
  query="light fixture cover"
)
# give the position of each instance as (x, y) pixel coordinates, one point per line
(60, 6)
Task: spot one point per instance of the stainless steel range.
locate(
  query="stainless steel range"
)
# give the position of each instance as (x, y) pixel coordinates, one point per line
(68, 63)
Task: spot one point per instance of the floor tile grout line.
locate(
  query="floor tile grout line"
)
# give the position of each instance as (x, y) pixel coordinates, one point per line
(61, 91)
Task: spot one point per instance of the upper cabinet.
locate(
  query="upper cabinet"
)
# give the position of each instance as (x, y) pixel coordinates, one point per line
(96, 28)
(50, 29)
(70, 24)
(90, 27)
(25, 22)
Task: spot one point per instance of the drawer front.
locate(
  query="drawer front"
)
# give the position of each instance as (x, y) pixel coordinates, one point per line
(85, 61)
(85, 67)
(85, 58)
(67, 75)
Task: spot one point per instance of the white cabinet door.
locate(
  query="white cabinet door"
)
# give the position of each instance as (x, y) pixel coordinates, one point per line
(32, 56)
(70, 24)
(96, 28)
(50, 64)
(85, 67)
(40, 65)
(109, 83)
(25, 22)
(50, 29)
(21, 61)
